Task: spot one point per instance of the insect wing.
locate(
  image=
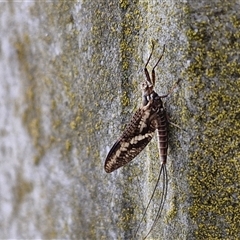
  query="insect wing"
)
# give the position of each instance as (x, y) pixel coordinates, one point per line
(137, 134)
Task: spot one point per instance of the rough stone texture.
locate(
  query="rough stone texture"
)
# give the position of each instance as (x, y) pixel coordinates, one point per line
(70, 75)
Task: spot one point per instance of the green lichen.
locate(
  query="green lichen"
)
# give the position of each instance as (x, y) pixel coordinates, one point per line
(172, 212)
(21, 191)
(32, 114)
(214, 168)
(130, 25)
(68, 145)
(125, 99)
(123, 4)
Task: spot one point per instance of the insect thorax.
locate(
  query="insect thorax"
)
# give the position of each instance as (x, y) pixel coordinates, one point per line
(153, 100)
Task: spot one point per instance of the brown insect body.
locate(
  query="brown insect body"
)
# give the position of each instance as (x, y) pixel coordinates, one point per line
(139, 132)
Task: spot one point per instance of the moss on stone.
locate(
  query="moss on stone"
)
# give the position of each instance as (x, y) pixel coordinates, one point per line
(214, 162)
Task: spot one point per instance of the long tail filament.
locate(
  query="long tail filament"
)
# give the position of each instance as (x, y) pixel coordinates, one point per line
(163, 173)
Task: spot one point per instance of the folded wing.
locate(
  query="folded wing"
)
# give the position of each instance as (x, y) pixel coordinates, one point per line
(137, 134)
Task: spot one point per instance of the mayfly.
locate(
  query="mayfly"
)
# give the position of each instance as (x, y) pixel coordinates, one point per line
(139, 132)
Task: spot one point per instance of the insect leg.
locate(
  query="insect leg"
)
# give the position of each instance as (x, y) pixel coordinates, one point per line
(172, 88)
(177, 126)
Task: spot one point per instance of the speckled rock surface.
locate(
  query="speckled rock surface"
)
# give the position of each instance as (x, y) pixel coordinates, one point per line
(70, 75)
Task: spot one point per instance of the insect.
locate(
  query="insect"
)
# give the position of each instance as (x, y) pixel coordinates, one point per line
(138, 133)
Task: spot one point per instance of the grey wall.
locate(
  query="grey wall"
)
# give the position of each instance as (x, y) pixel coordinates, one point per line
(70, 75)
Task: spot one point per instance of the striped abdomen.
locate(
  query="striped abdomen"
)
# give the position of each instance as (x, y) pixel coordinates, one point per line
(162, 135)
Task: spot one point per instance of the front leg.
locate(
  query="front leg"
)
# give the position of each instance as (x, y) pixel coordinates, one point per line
(148, 105)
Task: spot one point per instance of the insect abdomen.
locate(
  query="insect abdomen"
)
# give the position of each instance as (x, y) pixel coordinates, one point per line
(162, 135)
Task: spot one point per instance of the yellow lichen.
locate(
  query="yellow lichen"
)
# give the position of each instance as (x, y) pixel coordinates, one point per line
(214, 165)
